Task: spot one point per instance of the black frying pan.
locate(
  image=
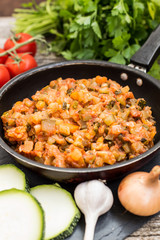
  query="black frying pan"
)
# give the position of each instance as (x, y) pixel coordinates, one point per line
(142, 85)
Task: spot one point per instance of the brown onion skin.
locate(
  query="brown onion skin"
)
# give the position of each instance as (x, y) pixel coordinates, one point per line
(139, 192)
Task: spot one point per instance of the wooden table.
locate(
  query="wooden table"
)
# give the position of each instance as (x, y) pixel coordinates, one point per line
(149, 231)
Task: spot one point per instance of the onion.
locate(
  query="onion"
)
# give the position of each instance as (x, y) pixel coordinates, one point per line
(139, 192)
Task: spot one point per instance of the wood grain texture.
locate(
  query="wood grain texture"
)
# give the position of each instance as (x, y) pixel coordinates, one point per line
(7, 6)
(149, 231)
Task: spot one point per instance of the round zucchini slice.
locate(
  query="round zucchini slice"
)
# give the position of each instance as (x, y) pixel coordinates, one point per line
(61, 212)
(21, 216)
(12, 177)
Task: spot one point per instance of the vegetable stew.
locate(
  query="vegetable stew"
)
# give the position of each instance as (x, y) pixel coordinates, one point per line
(85, 123)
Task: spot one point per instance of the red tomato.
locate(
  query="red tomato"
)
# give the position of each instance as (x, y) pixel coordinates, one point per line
(4, 75)
(29, 48)
(4, 58)
(25, 62)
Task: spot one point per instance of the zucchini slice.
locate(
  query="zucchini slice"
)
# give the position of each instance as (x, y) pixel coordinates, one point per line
(21, 216)
(61, 212)
(12, 177)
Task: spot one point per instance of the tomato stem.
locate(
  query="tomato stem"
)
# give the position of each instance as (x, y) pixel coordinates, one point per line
(18, 45)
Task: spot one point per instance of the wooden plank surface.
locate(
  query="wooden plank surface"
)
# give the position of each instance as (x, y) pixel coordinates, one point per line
(7, 6)
(149, 231)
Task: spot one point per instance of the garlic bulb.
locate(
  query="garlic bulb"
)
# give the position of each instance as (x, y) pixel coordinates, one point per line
(93, 198)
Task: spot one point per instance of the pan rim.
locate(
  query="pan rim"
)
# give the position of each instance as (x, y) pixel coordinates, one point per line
(60, 64)
(77, 62)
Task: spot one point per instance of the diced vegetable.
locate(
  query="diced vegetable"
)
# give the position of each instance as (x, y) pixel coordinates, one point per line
(121, 99)
(142, 103)
(48, 125)
(104, 90)
(53, 106)
(100, 80)
(109, 119)
(72, 127)
(75, 104)
(126, 147)
(64, 130)
(26, 147)
(107, 157)
(40, 105)
(125, 89)
(76, 154)
(125, 114)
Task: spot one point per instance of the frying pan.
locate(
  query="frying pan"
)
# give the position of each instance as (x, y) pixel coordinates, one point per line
(140, 83)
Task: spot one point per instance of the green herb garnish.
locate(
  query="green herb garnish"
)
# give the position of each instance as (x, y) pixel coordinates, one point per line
(92, 29)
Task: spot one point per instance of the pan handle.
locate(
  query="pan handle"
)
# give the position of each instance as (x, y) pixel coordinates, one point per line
(149, 51)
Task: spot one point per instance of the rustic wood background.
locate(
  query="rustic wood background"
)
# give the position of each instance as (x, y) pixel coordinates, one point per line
(7, 6)
(149, 231)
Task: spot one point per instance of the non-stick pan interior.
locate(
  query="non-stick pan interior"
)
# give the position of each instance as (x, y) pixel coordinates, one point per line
(25, 85)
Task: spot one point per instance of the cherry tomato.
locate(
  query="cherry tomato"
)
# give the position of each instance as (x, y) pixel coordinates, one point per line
(4, 75)
(4, 58)
(29, 48)
(23, 63)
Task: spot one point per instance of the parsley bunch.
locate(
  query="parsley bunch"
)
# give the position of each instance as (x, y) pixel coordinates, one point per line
(92, 29)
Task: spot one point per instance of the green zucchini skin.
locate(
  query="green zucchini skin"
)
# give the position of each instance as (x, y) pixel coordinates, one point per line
(16, 193)
(68, 230)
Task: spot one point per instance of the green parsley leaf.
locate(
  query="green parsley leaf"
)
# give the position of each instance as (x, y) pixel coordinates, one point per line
(88, 29)
(118, 58)
(96, 29)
